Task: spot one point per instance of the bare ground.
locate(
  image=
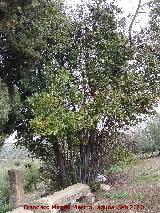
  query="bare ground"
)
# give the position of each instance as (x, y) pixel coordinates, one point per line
(137, 188)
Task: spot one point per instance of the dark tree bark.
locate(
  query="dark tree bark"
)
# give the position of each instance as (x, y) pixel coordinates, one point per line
(60, 163)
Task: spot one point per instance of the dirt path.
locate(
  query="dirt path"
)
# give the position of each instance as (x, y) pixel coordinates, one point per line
(136, 189)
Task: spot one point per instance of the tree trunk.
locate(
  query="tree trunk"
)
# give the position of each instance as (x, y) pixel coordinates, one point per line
(88, 160)
(60, 164)
(85, 155)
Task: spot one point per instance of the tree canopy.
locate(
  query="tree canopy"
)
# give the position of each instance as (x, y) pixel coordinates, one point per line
(78, 78)
(4, 109)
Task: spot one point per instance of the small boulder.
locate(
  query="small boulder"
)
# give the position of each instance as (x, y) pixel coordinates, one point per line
(105, 187)
(44, 194)
(100, 178)
(88, 198)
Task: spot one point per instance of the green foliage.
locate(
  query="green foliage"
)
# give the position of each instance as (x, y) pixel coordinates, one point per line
(115, 196)
(32, 27)
(9, 107)
(138, 197)
(50, 176)
(72, 74)
(4, 207)
(4, 186)
(31, 177)
(154, 23)
(147, 177)
(2, 139)
(4, 105)
(95, 186)
(17, 163)
(114, 169)
(148, 139)
(99, 75)
(118, 157)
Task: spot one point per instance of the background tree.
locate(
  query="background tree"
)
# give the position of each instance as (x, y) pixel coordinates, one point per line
(4, 109)
(147, 139)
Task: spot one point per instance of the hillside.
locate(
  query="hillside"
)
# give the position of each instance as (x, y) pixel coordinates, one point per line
(137, 187)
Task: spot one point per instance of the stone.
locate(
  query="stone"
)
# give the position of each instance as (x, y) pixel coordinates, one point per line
(16, 198)
(59, 200)
(100, 178)
(105, 187)
(20, 210)
(88, 198)
(74, 208)
(69, 195)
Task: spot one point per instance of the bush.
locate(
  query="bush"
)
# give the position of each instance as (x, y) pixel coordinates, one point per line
(4, 207)
(118, 157)
(50, 176)
(118, 154)
(4, 186)
(148, 139)
(95, 186)
(30, 175)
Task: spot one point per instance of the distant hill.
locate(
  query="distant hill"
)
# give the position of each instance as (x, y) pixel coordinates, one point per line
(9, 152)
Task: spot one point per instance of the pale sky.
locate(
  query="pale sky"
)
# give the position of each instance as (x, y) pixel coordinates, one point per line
(128, 7)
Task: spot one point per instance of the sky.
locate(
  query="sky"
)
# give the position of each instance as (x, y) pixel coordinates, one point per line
(128, 7)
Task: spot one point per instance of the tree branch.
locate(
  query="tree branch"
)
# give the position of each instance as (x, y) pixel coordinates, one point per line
(132, 22)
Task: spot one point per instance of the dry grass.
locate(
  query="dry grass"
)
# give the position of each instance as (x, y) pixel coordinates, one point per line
(136, 185)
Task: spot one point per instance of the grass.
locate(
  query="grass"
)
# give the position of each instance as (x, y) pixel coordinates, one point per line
(140, 187)
(146, 177)
(114, 169)
(118, 167)
(138, 197)
(31, 177)
(118, 195)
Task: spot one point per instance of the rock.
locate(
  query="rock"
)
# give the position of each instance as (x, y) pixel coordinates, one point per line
(44, 194)
(88, 198)
(74, 208)
(100, 178)
(16, 189)
(60, 200)
(20, 210)
(69, 195)
(105, 187)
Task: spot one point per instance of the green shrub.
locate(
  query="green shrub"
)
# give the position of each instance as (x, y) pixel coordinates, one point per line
(114, 169)
(4, 207)
(95, 186)
(138, 197)
(4, 186)
(119, 158)
(146, 177)
(31, 176)
(117, 152)
(115, 196)
(147, 139)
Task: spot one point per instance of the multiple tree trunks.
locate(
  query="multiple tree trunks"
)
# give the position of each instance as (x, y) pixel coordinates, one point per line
(78, 162)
